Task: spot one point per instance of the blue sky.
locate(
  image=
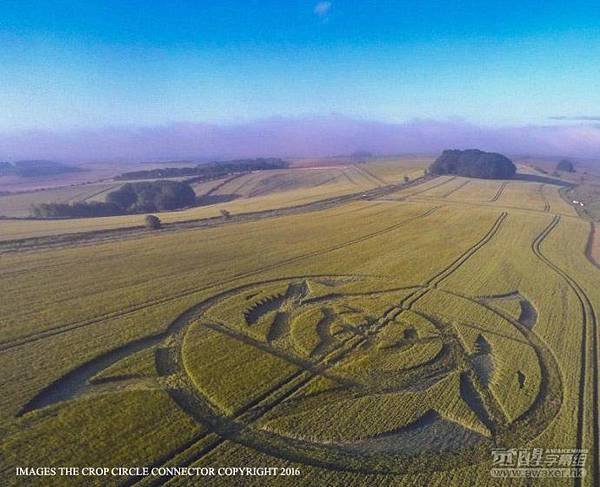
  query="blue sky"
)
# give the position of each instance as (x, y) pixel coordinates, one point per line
(98, 63)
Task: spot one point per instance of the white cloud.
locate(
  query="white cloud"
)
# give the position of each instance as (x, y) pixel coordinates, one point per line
(322, 9)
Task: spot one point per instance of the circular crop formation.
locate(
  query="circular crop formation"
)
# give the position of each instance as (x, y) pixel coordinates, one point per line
(364, 374)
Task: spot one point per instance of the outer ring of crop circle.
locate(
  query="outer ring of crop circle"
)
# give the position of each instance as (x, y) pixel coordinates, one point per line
(328, 456)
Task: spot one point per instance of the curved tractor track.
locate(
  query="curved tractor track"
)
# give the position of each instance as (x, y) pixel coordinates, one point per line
(589, 330)
(544, 198)
(194, 452)
(240, 426)
(58, 389)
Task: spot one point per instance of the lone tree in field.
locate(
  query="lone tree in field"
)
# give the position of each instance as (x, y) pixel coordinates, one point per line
(225, 214)
(406, 179)
(565, 165)
(152, 222)
(474, 163)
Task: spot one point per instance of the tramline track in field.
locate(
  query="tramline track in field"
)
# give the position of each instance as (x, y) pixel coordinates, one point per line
(390, 314)
(589, 328)
(187, 292)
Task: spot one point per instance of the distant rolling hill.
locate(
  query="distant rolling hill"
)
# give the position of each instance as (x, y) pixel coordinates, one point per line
(36, 168)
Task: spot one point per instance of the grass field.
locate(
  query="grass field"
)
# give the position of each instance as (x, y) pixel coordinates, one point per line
(394, 340)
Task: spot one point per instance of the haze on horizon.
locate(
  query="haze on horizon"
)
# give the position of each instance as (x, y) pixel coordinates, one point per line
(128, 80)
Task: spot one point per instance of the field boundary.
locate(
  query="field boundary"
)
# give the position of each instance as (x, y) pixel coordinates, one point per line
(589, 320)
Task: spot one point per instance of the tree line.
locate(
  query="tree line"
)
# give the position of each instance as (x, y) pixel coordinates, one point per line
(212, 170)
(131, 198)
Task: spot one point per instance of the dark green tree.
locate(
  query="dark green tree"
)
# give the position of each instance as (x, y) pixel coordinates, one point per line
(152, 222)
(474, 163)
(565, 165)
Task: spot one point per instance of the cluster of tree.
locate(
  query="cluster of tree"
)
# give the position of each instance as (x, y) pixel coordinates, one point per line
(207, 171)
(29, 169)
(141, 197)
(152, 196)
(565, 165)
(474, 163)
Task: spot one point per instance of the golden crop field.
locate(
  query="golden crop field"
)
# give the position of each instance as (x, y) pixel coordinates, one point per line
(395, 337)
(19, 204)
(239, 194)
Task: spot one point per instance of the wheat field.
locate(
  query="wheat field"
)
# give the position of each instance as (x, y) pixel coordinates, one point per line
(389, 340)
